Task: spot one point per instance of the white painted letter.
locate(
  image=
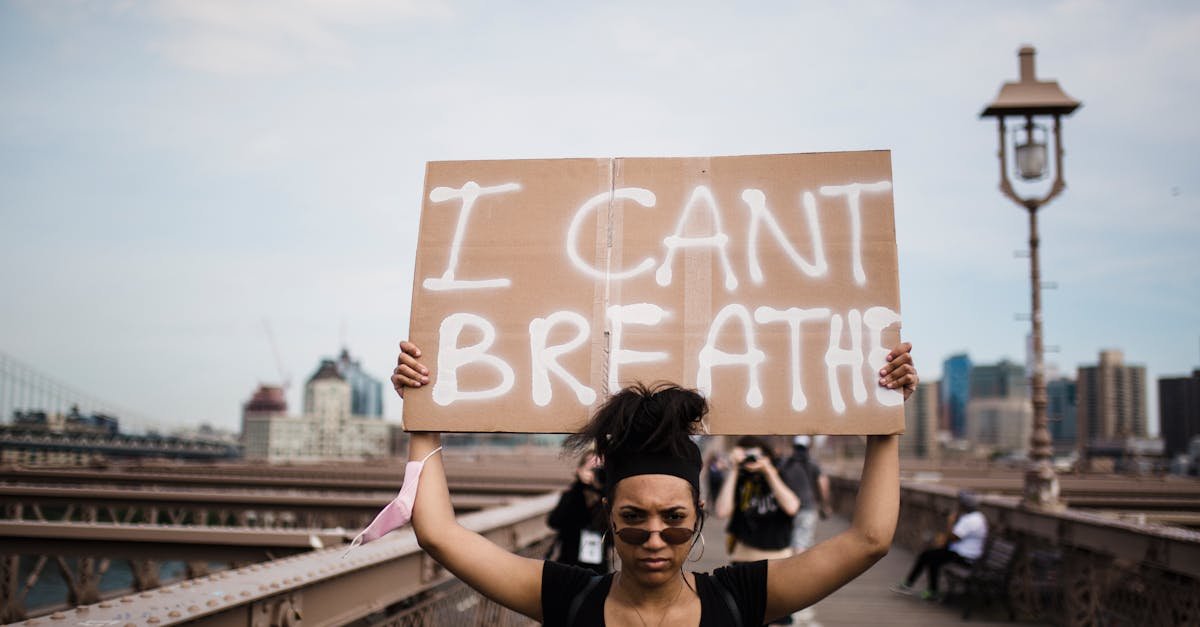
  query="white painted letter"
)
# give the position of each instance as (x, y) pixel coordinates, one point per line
(451, 358)
(852, 357)
(853, 193)
(757, 202)
(793, 316)
(877, 319)
(544, 359)
(469, 192)
(643, 197)
(717, 240)
(619, 315)
(711, 356)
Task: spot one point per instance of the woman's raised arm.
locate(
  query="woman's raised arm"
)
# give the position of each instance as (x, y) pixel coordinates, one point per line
(510, 580)
(799, 581)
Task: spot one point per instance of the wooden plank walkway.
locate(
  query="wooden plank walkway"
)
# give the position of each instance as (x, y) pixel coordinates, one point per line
(866, 600)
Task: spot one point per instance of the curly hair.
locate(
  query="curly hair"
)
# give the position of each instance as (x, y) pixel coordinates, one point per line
(643, 419)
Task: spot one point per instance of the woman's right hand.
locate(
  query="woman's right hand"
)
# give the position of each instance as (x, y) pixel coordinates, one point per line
(409, 373)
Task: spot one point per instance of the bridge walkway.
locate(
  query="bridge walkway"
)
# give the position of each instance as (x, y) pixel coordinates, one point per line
(866, 600)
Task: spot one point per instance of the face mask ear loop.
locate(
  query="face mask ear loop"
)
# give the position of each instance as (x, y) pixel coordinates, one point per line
(354, 544)
(430, 454)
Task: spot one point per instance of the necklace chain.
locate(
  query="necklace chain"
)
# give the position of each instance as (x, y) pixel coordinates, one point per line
(668, 607)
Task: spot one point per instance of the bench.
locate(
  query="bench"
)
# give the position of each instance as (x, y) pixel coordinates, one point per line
(986, 577)
(1044, 585)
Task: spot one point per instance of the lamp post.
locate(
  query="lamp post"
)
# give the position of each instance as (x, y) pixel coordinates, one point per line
(1031, 100)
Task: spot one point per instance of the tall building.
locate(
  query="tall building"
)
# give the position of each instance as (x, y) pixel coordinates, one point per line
(366, 392)
(999, 412)
(329, 428)
(1002, 380)
(327, 393)
(921, 422)
(1111, 399)
(1179, 411)
(264, 420)
(1002, 423)
(955, 392)
(1061, 411)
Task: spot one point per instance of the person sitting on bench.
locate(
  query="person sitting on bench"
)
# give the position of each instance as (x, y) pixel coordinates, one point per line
(963, 544)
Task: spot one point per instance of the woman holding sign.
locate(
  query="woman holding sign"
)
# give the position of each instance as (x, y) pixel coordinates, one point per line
(655, 516)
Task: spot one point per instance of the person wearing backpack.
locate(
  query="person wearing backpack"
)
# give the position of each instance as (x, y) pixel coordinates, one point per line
(812, 488)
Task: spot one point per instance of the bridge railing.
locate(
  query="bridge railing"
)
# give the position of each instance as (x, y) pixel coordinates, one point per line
(387, 582)
(1073, 567)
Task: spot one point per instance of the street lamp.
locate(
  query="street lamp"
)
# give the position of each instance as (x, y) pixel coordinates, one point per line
(1028, 100)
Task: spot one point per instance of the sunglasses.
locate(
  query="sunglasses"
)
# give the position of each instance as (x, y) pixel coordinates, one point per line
(670, 535)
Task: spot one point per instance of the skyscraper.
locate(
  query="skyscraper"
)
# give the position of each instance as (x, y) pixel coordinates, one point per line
(366, 392)
(955, 392)
(1179, 411)
(1061, 411)
(999, 412)
(921, 422)
(1002, 380)
(1002, 423)
(1111, 399)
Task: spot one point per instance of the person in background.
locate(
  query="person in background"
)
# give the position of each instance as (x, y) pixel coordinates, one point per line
(759, 505)
(716, 467)
(579, 519)
(803, 474)
(963, 545)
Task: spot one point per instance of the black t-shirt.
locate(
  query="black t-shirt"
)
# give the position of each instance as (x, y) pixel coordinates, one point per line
(746, 584)
(757, 519)
(571, 517)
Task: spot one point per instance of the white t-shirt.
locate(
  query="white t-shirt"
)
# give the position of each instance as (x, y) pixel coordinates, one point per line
(971, 531)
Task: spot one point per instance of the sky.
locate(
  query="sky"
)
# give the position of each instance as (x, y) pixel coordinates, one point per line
(177, 176)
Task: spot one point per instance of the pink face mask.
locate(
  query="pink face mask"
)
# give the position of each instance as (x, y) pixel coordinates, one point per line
(397, 513)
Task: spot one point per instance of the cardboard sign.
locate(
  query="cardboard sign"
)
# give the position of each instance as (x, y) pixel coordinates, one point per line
(769, 283)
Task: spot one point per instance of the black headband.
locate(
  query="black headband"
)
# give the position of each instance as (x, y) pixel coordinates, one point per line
(619, 466)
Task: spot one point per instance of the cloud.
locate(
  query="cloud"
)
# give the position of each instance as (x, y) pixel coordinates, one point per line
(231, 37)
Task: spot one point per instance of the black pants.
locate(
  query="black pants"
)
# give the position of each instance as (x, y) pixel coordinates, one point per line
(933, 559)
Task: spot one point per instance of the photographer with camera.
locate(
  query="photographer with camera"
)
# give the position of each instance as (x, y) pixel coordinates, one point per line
(758, 503)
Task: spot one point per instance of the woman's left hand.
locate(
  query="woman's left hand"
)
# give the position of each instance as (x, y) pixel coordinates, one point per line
(409, 373)
(899, 373)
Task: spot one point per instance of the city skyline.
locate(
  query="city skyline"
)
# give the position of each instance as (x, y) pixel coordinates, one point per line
(176, 173)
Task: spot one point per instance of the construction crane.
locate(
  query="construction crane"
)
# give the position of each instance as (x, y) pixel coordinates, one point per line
(285, 378)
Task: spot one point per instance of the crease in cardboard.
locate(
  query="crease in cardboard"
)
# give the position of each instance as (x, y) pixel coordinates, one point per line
(601, 289)
(607, 225)
(697, 275)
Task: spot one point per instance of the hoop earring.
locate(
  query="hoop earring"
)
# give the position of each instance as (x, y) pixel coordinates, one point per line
(701, 555)
(612, 550)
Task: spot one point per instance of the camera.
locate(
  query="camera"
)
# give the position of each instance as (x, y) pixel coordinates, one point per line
(751, 458)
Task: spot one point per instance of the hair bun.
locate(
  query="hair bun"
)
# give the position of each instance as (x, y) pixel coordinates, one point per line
(640, 418)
